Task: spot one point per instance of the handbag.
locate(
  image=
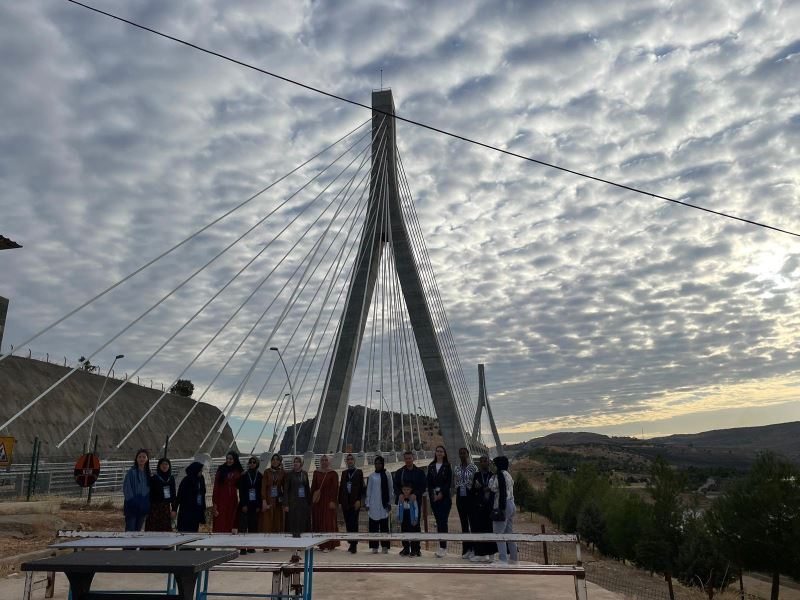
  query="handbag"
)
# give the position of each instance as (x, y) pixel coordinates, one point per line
(498, 514)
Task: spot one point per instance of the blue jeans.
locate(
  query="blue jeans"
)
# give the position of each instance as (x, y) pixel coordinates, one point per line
(507, 526)
(134, 522)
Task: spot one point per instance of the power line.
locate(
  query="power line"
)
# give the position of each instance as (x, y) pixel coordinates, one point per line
(432, 128)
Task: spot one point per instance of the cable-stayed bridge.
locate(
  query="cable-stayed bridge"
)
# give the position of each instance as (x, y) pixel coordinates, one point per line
(343, 310)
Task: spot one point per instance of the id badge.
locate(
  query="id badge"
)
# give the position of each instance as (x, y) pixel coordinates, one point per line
(199, 499)
(462, 491)
(251, 495)
(301, 492)
(273, 492)
(167, 495)
(349, 487)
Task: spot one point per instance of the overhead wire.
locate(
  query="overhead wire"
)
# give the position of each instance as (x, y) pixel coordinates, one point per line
(439, 130)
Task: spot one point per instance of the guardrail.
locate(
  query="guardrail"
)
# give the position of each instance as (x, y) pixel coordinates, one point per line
(57, 478)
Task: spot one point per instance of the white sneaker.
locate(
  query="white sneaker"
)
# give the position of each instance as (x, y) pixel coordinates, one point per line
(374, 550)
(513, 562)
(477, 559)
(471, 553)
(502, 563)
(466, 556)
(441, 553)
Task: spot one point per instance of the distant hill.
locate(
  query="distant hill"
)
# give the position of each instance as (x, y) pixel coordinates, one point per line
(732, 449)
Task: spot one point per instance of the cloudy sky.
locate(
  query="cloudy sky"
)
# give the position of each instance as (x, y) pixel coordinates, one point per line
(593, 308)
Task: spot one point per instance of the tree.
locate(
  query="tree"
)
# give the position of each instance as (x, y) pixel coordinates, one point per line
(524, 494)
(592, 523)
(758, 521)
(699, 559)
(658, 550)
(182, 387)
(626, 515)
(86, 365)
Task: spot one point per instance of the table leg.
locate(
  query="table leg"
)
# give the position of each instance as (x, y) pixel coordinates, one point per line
(26, 593)
(309, 573)
(79, 584)
(186, 584)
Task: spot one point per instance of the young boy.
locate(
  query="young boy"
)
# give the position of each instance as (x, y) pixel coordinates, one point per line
(408, 515)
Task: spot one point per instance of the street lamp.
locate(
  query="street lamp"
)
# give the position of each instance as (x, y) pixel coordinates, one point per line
(291, 395)
(97, 404)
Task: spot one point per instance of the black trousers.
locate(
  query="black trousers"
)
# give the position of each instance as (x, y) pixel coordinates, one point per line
(441, 512)
(464, 506)
(248, 522)
(351, 523)
(407, 527)
(379, 526)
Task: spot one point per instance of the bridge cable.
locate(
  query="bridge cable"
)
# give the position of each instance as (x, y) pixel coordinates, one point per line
(208, 302)
(445, 132)
(246, 337)
(144, 314)
(178, 245)
(292, 299)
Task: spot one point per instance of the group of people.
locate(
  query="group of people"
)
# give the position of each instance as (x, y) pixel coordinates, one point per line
(276, 501)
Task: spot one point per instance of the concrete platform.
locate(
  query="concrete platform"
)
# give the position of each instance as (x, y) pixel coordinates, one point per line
(330, 586)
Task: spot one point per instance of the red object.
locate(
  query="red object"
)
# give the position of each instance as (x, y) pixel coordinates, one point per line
(87, 469)
(323, 517)
(226, 501)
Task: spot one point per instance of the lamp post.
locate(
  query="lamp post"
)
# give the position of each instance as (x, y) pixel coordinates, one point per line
(97, 404)
(291, 395)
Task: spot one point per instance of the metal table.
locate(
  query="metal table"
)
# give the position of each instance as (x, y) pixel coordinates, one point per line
(81, 567)
(263, 541)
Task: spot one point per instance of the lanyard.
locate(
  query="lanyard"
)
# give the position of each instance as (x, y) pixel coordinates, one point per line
(252, 481)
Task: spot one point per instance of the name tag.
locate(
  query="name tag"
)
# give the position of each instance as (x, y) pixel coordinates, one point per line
(301, 492)
(167, 494)
(251, 495)
(406, 505)
(199, 499)
(349, 487)
(273, 492)
(462, 491)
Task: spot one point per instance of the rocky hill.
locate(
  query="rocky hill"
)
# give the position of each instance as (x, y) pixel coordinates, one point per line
(53, 417)
(429, 431)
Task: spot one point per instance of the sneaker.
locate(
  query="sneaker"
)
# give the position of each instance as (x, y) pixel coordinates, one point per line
(466, 556)
(405, 552)
(476, 559)
(502, 563)
(513, 562)
(441, 553)
(374, 550)
(385, 550)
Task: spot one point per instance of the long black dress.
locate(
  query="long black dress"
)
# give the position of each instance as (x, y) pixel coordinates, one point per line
(192, 499)
(482, 502)
(297, 494)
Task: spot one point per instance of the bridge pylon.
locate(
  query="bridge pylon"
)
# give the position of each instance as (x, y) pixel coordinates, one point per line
(385, 210)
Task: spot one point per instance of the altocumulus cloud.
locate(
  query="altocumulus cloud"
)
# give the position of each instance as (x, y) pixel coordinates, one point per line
(590, 305)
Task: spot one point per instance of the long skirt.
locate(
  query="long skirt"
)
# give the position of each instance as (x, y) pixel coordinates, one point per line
(298, 519)
(159, 518)
(271, 520)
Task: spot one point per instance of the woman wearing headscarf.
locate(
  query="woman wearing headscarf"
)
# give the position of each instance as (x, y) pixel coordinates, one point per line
(324, 492)
(272, 496)
(379, 503)
(136, 490)
(192, 499)
(440, 482)
(502, 486)
(482, 503)
(163, 500)
(297, 497)
(250, 497)
(225, 499)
